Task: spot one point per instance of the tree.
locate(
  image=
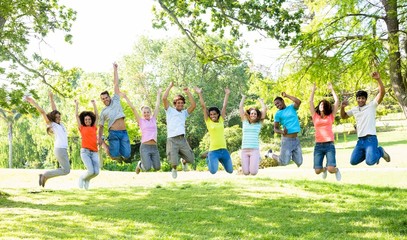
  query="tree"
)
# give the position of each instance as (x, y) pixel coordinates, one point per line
(20, 23)
(354, 39)
(199, 19)
(10, 117)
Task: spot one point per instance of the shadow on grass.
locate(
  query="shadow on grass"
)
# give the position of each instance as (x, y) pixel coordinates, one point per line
(253, 208)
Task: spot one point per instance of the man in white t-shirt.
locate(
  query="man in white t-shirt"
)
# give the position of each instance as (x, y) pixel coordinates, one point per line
(177, 145)
(367, 147)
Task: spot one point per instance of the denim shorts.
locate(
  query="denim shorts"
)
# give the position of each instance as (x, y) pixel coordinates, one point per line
(324, 149)
(119, 143)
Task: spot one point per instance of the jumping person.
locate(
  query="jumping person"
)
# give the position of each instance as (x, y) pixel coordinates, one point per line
(87, 122)
(367, 147)
(214, 120)
(54, 126)
(119, 143)
(323, 116)
(177, 145)
(251, 124)
(150, 156)
(288, 118)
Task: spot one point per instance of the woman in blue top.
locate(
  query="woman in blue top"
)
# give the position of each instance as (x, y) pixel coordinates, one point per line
(251, 121)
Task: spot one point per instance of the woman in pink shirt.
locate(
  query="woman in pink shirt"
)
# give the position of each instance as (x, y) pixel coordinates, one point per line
(323, 116)
(149, 153)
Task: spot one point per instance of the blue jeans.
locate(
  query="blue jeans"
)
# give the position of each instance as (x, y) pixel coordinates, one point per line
(290, 149)
(119, 144)
(216, 156)
(367, 148)
(324, 149)
(91, 161)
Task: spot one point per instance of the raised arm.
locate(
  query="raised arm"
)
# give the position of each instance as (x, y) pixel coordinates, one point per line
(116, 79)
(225, 103)
(382, 91)
(40, 110)
(204, 110)
(344, 115)
(157, 103)
(165, 96)
(192, 107)
(123, 95)
(95, 111)
(311, 100)
(336, 99)
(297, 102)
(241, 108)
(51, 99)
(78, 121)
(263, 109)
(100, 134)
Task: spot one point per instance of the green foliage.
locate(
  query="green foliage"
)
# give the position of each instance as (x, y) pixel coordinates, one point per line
(197, 20)
(21, 23)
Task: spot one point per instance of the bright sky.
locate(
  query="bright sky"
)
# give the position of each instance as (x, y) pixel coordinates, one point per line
(104, 31)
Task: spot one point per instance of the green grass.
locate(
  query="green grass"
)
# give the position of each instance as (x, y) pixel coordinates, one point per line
(247, 208)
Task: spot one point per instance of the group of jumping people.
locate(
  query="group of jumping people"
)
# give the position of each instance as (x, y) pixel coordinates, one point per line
(286, 123)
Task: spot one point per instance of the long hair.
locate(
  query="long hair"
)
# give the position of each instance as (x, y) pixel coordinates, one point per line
(258, 119)
(52, 116)
(216, 109)
(327, 107)
(92, 116)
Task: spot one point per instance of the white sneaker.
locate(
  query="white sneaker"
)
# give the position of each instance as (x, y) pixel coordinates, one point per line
(86, 184)
(138, 168)
(81, 182)
(174, 173)
(386, 156)
(184, 166)
(338, 175)
(324, 174)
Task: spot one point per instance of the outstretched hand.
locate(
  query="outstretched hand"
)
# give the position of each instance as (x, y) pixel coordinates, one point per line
(345, 103)
(198, 90)
(314, 87)
(330, 87)
(227, 91)
(376, 75)
(284, 94)
(115, 65)
(186, 90)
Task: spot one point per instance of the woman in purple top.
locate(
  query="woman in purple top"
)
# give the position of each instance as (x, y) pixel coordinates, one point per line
(148, 125)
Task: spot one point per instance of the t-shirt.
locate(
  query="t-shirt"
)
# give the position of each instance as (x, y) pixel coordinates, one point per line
(216, 134)
(112, 112)
(89, 139)
(60, 135)
(251, 133)
(365, 118)
(148, 129)
(289, 119)
(323, 128)
(175, 121)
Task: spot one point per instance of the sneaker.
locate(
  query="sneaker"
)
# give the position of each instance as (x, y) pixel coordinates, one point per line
(184, 166)
(81, 182)
(138, 168)
(386, 156)
(338, 175)
(86, 184)
(174, 173)
(324, 174)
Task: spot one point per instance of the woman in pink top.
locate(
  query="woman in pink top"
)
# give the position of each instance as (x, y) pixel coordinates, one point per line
(323, 116)
(149, 153)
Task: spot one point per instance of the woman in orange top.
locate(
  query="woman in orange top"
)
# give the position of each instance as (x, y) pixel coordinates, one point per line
(87, 122)
(323, 116)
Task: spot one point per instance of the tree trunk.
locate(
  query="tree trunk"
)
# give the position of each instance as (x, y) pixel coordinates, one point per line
(398, 83)
(10, 145)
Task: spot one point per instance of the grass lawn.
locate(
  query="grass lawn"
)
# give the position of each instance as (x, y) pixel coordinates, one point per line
(279, 203)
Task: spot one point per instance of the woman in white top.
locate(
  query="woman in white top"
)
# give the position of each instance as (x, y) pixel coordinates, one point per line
(54, 126)
(251, 125)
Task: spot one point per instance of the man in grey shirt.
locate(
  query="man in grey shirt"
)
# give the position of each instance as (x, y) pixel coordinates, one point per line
(119, 143)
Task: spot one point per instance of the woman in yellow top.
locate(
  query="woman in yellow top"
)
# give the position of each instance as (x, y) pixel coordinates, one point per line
(214, 123)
